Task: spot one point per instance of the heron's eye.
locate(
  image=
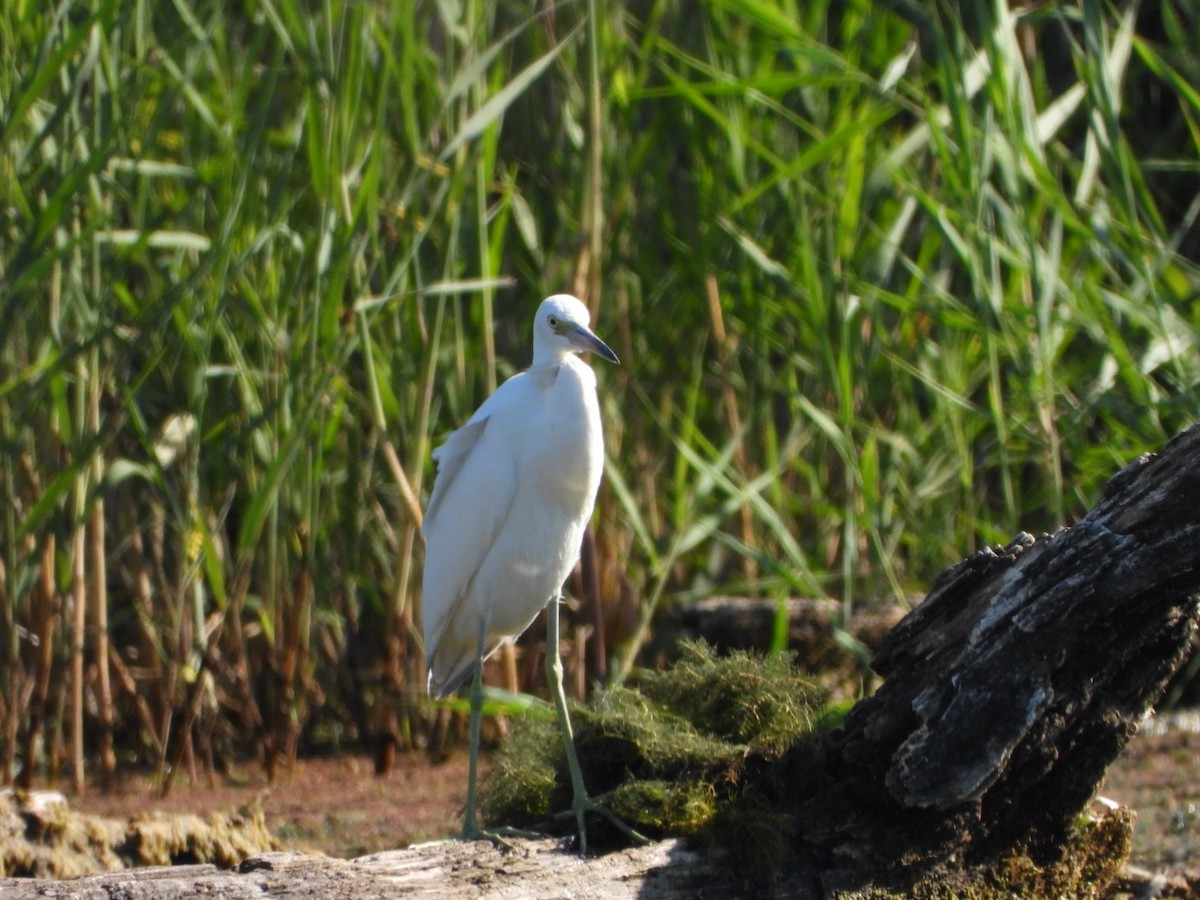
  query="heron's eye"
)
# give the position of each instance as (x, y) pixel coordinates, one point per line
(554, 322)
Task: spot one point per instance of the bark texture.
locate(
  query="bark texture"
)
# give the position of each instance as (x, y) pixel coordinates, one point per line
(1010, 690)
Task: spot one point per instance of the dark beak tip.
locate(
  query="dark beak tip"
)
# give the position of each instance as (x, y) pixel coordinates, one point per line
(601, 349)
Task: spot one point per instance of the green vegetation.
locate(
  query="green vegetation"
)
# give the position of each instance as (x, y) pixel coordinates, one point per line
(886, 289)
(681, 752)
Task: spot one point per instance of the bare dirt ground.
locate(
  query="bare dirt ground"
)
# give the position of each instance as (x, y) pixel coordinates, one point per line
(339, 807)
(333, 805)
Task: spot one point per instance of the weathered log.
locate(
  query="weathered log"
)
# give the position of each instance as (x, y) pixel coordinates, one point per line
(741, 623)
(1010, 690)
(814, 633)
(535, 870)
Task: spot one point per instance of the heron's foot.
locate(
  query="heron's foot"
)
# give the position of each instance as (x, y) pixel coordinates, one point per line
(584, 805)
(498, 836)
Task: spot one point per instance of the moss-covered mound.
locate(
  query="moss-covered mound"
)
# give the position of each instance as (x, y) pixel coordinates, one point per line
(42, 837)
(669, 755)
(1085, 866)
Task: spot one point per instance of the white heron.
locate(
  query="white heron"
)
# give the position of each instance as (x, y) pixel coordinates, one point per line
(514, 491)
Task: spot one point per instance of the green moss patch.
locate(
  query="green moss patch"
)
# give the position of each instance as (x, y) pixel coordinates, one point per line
(668, 755)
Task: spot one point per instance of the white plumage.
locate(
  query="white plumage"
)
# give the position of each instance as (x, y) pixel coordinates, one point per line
(514, 491)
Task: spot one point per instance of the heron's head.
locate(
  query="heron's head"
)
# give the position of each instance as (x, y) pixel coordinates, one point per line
(561, 327)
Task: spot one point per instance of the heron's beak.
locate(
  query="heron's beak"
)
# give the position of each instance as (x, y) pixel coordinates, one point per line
(583, 339)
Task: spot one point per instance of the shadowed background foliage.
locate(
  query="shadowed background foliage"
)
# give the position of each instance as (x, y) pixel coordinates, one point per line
(889, 282)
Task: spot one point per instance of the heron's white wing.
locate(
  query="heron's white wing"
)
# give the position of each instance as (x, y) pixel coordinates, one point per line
(472, 496)
(450, 458)
(463, 444)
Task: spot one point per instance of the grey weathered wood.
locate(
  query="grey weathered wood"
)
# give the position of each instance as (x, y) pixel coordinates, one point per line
(535, 870)
(744, 623)
(1010, 690)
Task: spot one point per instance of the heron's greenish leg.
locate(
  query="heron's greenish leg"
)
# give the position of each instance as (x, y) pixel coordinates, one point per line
(471, 829)
(581, 804)
(554, 675)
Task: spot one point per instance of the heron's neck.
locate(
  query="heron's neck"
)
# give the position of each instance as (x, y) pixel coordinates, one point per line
(551, 359)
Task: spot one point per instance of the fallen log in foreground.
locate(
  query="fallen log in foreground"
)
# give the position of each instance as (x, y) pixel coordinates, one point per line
(1007, 694)
(1011, 689)
(534, 870)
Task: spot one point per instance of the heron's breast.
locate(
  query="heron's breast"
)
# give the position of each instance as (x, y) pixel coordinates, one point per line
(563, 447)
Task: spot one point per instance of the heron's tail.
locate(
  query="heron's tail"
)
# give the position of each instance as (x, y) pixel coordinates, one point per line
(444, 679)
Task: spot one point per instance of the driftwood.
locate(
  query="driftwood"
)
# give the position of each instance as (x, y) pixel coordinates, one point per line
(814, 633)
(744, 624)
(1007, 694)
(536, 870)
(1010, 690)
